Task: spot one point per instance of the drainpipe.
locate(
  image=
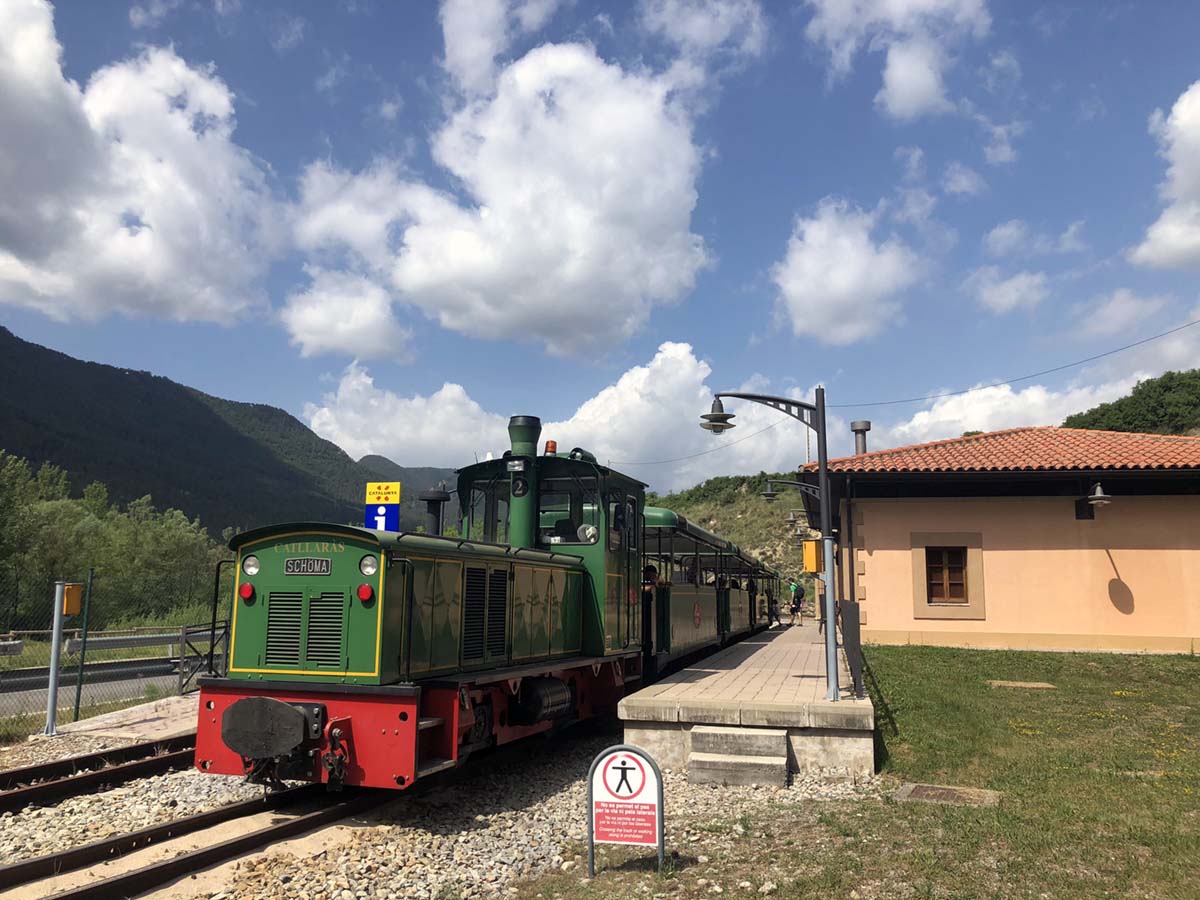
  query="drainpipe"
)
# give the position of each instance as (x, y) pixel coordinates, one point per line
(853, 565)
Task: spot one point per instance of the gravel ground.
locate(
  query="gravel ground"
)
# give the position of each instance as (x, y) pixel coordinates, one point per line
(75, 821)
(42, 749)
(508, 818)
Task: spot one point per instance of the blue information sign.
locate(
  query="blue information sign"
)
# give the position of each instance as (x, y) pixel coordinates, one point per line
(382, 516)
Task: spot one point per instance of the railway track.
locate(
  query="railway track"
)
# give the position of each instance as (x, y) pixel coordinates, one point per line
(156, 874)
(93, 771)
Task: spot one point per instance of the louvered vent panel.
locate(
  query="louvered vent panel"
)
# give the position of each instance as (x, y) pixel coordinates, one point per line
(283, 628)
(324, 644)
(474, 604)
(497, 616)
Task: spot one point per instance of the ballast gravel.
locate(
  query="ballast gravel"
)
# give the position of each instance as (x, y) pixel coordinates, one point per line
(38, 750)
(74, 821)
(506, 818)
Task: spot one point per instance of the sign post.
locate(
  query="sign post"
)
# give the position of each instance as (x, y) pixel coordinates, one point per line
(625, 801)
(382, 507)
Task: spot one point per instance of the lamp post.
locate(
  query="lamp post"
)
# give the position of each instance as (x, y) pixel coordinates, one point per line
(812, 415)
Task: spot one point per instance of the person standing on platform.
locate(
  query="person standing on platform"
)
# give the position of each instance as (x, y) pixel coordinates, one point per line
(797, 608)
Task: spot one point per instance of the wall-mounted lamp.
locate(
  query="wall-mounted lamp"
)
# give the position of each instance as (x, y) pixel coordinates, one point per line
(1085, 507)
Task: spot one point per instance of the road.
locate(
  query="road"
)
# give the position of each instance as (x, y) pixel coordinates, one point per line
(18, 703)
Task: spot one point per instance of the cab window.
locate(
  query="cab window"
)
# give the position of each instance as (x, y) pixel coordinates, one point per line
(568, 511)
(485, 517)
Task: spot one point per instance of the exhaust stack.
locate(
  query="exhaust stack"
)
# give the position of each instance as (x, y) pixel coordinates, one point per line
(860, 429)
(523, 434)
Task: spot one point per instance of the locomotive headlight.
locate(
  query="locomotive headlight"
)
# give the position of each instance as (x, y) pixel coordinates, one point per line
(250, 565)
(368, 565)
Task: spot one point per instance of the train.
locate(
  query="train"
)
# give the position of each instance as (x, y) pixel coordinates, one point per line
(370, 658)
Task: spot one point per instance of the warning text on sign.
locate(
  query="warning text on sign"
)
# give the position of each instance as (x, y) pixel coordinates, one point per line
(625, 823)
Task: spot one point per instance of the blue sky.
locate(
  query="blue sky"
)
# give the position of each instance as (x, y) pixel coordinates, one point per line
(404, 222)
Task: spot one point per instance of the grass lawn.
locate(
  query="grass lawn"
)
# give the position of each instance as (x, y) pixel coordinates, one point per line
(1100, 784)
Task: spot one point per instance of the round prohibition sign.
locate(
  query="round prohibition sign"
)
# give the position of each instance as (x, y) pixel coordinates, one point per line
(624, 771)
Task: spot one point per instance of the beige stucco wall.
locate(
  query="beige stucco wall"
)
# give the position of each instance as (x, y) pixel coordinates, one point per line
(1127, 580)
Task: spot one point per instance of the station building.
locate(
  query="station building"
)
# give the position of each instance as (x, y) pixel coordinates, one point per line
(1032, 538)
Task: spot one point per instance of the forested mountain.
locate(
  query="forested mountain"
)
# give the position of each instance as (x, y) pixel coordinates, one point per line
(1169, 404)
(230, 464)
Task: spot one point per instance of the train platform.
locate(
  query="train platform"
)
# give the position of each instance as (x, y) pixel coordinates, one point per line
(756, 713)
(162, 719)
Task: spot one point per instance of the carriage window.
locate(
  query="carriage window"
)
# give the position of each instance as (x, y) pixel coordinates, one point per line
(567, 511)
(685, 570)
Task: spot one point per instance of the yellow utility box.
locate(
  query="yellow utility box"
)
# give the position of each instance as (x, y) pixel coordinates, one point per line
(814, 556)
(72, 599)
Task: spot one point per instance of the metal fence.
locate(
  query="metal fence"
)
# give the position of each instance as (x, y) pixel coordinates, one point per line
(99, 670)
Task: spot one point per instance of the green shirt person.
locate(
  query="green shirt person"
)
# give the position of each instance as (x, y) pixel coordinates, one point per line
(797, 602)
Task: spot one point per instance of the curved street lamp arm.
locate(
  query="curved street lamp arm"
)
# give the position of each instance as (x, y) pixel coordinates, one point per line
(803, 488)
(797, 409)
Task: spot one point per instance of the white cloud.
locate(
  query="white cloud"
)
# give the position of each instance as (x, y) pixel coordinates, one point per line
(1015, 237)
(476, 32)
(999, 149)
(1007, 237)
(128, 196)
(287, 32)
(341, 312)
(836, 283)
(150, 14)
(913, 160)
(658, 404)
(1002, 74)
(915, 35)
(1120, 312)
(703, 27)
(995, 408)
(962, 180)
(579, 181)
(1070, 241)
(1004, 295)
(912, 80)
(1173, 241)
(390, 108)
(335, 73)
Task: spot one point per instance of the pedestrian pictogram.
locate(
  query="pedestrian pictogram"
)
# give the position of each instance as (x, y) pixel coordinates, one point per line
(625, 801)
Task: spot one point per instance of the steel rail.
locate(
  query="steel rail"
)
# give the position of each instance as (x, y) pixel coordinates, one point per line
(138, 881)
(68, 860)
(84, 774)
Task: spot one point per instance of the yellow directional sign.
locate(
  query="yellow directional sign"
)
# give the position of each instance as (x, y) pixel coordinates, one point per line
(383, 492)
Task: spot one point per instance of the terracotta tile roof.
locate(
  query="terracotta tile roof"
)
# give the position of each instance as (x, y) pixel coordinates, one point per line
(1045, 449)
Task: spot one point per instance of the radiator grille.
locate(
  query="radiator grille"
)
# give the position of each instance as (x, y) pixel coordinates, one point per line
(497, 615)
(323, 646)
(474, 605)
(283, 628)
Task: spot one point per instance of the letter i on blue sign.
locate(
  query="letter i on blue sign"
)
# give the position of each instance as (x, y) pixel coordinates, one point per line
(382, 516)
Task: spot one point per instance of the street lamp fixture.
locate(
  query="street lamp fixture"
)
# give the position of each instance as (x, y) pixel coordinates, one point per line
(812, 415)
(717, 420)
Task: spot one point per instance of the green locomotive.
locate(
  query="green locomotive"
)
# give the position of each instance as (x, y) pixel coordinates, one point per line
(372, 658)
